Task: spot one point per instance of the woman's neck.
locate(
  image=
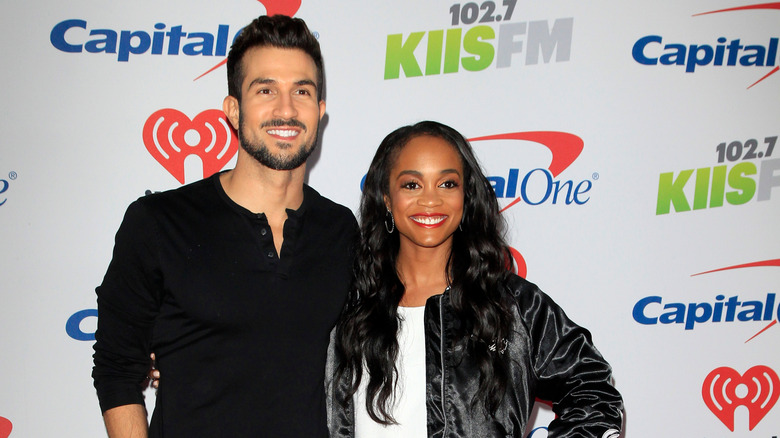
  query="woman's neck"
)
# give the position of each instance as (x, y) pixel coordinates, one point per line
(423, 272)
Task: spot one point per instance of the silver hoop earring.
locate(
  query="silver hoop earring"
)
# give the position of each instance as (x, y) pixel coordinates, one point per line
(390, 228)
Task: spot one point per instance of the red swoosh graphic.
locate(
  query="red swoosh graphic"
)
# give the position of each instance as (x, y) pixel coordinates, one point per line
(769, 6)
(744, 8)
(775, 262)
(221, 63)
(762, 330)
(272, 7)
(565, 148)
(775, 70)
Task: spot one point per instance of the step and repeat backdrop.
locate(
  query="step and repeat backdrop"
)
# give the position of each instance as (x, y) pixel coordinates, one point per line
(634, 148)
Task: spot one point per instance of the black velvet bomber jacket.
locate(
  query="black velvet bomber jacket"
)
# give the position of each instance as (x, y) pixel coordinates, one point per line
(550, 358)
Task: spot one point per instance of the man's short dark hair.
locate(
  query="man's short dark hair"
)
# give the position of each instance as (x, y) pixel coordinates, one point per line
(278, 31)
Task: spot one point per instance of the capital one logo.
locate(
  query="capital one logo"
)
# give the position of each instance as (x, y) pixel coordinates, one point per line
(171, 137)
(76, 35)
(272, 7)
(565, 148)
(726, 52)
(724, 390)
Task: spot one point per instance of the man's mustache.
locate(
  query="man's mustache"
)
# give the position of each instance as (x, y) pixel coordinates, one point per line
(295, 123)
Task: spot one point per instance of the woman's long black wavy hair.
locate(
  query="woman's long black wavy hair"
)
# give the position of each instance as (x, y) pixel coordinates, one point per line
(477, 267)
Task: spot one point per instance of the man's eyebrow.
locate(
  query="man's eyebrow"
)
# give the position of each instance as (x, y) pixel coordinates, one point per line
(261, 81)
(306, 82)
(270, 81)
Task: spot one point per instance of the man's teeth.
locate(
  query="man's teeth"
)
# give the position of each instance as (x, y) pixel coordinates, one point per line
(429, 220)
(283, 132)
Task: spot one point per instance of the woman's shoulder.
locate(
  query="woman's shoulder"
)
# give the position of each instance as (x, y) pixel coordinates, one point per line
(518, 287)
(528, 297)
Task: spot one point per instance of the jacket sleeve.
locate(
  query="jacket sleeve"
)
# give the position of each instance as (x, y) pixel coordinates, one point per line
(128, 302)
(569, 370)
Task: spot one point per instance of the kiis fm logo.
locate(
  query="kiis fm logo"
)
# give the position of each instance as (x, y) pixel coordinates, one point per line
(747, 169)
(484, 44)
(653, 310)
(724, 390)
(76, 36)
(651, 49)
(171, 138)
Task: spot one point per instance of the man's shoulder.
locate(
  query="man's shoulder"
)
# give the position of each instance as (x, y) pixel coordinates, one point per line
(192, 193)
(322, 204)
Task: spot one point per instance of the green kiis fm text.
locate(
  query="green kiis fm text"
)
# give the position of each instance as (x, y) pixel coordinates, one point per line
(444, 48)
(747, 179)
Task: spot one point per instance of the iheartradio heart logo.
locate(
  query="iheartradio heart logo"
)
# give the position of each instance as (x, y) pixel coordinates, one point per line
(724, 390)
(170, 136)
(5, 427)
(282, 7)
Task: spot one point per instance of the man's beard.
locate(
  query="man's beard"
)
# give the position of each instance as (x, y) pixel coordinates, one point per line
(260, 152)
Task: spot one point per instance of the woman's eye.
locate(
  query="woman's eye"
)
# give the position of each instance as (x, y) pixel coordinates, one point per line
(449, 184)
(411, 185)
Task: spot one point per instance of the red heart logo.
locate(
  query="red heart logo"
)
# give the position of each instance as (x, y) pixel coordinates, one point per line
(720, 393)
(169, 136)
(5, 427)
(283, 7)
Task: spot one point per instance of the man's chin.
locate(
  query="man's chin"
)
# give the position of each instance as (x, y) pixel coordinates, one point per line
(282, 162)
(285, 146)
(279, 154)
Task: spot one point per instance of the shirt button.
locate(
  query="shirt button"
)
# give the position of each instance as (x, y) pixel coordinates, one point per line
(263, 232)
(270, 254)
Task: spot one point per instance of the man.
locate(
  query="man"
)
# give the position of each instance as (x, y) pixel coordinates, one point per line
(234, 281)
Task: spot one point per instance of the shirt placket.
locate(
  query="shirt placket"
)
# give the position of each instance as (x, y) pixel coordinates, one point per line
(266, 239)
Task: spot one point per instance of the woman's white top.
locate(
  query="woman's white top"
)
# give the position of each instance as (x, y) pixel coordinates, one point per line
(408, 403)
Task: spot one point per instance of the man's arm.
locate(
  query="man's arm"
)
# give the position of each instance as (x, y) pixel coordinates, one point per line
(128, 421)
(128, 303)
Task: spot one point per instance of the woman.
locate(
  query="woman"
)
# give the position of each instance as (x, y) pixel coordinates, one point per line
(440, 339)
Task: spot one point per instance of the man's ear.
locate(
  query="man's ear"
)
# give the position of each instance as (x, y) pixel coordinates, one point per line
(232, 110)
